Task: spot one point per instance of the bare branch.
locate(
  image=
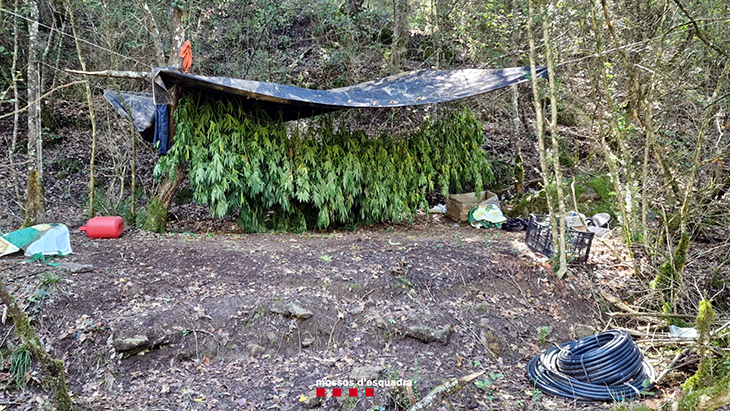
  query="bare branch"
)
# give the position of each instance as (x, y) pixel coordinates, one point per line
(146, 75)
(440, 393)
(41, 98)
(700, 34)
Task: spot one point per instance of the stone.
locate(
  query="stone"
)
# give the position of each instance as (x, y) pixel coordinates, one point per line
(588, 195)
(278, 307)
(427, 334)
(368, 372)
(310, 399)
(136, 343)
(299, 312)
(272, 338)
(357, 310)
(75, 268)
(582, 331)
(380, 322)
(491, 341)
(307, 341)
(481, 307)
(255, 350)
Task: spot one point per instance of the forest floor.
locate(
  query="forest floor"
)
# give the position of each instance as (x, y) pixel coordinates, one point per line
(224, 320)
(206, 317)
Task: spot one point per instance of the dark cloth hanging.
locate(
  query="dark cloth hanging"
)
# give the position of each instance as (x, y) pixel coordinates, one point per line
(162, 129)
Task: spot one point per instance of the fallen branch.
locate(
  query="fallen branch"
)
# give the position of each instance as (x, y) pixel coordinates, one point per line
(657, 315)
(440, 393)
(618, 303)
(146, 75)
(28, 336)
(672, 364)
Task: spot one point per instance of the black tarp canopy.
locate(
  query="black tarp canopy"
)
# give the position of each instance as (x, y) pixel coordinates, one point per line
(290, 103)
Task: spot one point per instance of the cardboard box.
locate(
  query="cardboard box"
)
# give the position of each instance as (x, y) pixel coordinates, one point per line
(459, 205)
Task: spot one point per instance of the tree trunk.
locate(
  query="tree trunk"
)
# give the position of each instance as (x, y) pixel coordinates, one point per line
(154, 31)
(29, 338)
(179, 13)
(519, 169)
(517, 124)
(133, 172)
(16, 107)
(400, 33)
(540, 124)
(649, 143)
(682, 252)
(14, 74)
(563, 268)
(34, 189)
(157, 211)
(48, 119)
(92, 117)
(625, 169)
(617, 165)
(439, 394)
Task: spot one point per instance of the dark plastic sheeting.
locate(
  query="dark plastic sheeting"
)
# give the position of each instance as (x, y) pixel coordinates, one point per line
(291, 103)
(141, 105)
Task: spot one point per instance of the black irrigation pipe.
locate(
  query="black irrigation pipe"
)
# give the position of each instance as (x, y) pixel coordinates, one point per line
(604, 367)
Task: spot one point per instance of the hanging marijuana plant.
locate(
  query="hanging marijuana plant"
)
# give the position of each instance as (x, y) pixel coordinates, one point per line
(287, 180)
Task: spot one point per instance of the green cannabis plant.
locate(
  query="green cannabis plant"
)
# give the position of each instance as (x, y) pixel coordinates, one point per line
(285, 179)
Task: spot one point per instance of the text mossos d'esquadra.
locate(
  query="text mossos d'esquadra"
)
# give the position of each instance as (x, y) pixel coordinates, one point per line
(364, 383)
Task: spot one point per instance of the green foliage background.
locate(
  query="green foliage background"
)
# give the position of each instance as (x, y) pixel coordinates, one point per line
(289, 179)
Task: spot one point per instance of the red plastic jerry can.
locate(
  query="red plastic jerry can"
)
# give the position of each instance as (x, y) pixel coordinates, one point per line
(104, 227)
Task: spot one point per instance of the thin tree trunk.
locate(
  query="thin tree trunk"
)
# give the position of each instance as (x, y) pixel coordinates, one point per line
(400, 33)
(436, 34)
(650, 139)
(634, 102)
(178, 35)
(517, 125)
(133, 175)
(92, 116)
(649, 127)
(439, 394)
(16, 107)
(155, 32)
(14, 73)
(28, 336)
(540, 124)
(157, 211)
(681, 261)
(34, 189)
(563, 268)
(519, 168)
(133, 135)
(624, 199)
(48, 119)
(54, 78)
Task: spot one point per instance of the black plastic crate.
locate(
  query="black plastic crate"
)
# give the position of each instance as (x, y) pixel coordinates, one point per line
(539, 238)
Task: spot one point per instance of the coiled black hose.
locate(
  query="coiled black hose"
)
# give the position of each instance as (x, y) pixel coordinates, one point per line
(604, 367)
